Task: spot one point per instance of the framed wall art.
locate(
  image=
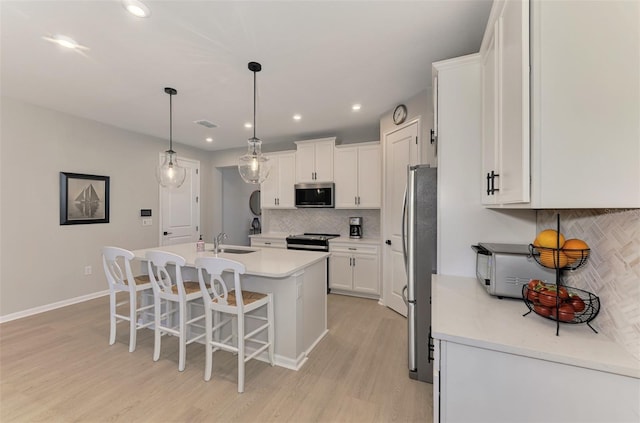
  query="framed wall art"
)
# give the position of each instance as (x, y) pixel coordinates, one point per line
(83, 199)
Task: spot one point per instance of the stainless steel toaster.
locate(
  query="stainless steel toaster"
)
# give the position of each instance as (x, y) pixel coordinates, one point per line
(503, 268)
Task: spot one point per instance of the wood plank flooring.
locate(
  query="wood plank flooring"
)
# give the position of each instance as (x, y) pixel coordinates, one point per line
(59, 367)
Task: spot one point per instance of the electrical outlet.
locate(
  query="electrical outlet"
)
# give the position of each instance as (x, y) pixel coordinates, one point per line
(88, 270)
(147, 222)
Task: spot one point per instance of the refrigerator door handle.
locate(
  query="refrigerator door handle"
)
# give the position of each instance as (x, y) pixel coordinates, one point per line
(404, 295)
(404, 231)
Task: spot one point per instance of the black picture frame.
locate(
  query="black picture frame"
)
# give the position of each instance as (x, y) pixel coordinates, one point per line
(84, 199)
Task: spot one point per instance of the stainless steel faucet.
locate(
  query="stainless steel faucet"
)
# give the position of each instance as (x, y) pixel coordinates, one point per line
(217, 240)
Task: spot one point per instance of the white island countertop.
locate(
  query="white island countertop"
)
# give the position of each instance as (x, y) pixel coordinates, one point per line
(268, 262)
(464, 313)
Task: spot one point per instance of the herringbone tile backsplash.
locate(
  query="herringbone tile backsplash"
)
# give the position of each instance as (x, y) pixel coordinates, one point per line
(330, 221)
(612, 271)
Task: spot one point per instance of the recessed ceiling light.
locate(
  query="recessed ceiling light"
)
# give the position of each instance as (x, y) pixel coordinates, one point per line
(136, 8)
(297, 117)
(248, 125)
(355, 107)
(64, 41)
(209, 139)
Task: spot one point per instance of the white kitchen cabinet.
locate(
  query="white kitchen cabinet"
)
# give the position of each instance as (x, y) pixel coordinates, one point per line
(505, 104)
(581, 132)
(268, 242)
(358, 176)
(354, 269)
(314, 160)
(492, 364)
(585, 109)
(478, 384)
(277, 191)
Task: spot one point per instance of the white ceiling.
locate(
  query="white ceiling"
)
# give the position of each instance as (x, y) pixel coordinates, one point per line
(318, 58)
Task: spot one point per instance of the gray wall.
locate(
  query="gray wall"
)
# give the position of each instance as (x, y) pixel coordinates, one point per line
(236, 214)
(42, 262)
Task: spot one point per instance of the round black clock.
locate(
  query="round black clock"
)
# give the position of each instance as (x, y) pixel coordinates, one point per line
(399, 114)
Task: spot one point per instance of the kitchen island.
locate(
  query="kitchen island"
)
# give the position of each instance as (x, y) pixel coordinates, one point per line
(297, 280)
(493, 364)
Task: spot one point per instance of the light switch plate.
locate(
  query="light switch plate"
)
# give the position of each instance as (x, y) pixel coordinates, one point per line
(147, 222)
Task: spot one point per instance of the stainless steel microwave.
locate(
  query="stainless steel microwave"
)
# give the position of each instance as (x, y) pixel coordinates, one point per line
(315, 195)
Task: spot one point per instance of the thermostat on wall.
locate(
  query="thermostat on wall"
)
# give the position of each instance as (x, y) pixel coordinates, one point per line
(145, 212)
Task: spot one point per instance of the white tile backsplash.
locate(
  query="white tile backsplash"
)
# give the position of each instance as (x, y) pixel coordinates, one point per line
(333, 221)
(612, 271)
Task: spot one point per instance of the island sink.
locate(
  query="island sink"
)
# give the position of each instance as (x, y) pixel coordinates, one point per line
(234, 251)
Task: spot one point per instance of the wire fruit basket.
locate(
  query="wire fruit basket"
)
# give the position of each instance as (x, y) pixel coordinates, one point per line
(557, 302)
(564, 304)
(559, 258)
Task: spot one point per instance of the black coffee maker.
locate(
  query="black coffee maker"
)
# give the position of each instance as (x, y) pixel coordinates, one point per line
(355, 227)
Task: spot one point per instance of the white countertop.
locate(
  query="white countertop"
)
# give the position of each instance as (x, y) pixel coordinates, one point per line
(268, 262)
(464, 313)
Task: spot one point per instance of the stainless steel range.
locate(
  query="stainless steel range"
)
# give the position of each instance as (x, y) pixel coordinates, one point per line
(311, 242)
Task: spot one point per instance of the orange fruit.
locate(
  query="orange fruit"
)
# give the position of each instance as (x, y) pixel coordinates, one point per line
(548, 239)
(575, 249)
(553, 259)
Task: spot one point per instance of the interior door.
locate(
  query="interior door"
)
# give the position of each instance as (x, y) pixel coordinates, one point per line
(180, 208)
(401, 150)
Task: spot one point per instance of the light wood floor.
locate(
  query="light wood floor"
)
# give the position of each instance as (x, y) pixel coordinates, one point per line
(58, 367)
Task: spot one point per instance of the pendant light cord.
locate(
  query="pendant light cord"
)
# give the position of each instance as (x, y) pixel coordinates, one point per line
(170, 122)
(254, 106)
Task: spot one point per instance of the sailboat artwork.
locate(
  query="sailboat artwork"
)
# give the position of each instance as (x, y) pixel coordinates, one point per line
(83, 198)
(88, 202)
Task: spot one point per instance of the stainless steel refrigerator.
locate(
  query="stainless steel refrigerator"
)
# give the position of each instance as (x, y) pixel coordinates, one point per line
(419, 236)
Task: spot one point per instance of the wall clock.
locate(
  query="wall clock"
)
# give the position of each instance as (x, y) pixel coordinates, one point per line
(399, 114)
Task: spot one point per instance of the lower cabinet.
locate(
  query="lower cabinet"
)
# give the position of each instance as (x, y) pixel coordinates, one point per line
(268, 242)
(354, 269)
(473, 384)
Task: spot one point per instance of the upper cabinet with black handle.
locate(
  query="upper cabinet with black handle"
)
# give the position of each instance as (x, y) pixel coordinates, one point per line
(561, 105)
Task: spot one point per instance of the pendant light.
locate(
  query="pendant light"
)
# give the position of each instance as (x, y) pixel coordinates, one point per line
(254, 166)
(170, 174)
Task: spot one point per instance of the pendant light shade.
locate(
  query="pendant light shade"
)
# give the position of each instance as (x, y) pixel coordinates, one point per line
(254, 166)
(170, 174)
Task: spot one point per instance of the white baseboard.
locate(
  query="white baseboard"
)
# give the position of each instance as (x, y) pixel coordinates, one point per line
(53, 306)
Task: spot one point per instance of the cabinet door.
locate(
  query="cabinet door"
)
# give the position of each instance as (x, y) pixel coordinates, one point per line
(269, 188)
(489, 133)
(346, 177)
(365, 273)
(324, 161)
(286, 181)
(369, 176)
(305, 162)
(340, 271)
(512, 38)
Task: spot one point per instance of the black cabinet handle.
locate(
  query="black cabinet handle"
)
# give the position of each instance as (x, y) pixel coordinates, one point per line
(167, 233)
(488, 183)
(388, 242)
(431, 347)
